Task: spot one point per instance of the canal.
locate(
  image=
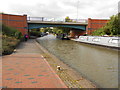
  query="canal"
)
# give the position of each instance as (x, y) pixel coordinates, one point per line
(97, 64)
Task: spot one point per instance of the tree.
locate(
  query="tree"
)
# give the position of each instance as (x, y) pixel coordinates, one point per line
(67, 19)
(2, 13)
(113, 25)
(111, 28)
(46, 29)
(59, 30)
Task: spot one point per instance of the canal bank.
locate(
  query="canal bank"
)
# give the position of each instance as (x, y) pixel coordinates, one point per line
(69, 76)
(98, 64)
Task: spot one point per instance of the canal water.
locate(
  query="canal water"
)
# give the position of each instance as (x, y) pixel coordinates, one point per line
(97, 64)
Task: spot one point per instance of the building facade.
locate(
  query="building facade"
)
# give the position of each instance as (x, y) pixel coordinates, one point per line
(16, 21)
(95, 24)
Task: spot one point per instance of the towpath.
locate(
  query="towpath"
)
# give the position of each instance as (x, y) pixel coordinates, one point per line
(26, 68)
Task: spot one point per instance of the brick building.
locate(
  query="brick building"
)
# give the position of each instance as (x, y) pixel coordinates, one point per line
(16, 21)
(94, 24)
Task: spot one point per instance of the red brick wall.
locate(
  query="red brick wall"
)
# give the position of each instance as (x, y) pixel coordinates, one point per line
(94, 24)
(16, 21)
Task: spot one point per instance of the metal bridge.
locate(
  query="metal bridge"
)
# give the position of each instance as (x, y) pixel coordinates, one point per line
(41, 22)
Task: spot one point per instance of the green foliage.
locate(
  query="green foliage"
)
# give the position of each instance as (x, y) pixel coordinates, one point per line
(65, 29)
(12, 32)
(99, 32)
(59, 30)
(111, 28)
(2, 13)
(35, 32)
(47, 29)
(8, 44)
(67, 19)
(18, 35)
(10, 38)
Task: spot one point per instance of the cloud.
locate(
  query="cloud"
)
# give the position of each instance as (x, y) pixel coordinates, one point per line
(62, 8)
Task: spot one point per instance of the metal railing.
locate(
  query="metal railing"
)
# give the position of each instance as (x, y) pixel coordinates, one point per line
(44, 19)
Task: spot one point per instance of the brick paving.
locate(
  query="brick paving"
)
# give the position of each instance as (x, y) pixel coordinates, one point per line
(28, 69)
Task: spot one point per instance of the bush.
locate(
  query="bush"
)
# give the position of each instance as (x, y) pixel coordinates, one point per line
(9, 31)
(8, 44)
(18, 35)
(99, 32)
(6, 50)
(10, 39)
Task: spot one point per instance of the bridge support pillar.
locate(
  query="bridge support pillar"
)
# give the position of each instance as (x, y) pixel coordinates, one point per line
(75, 33)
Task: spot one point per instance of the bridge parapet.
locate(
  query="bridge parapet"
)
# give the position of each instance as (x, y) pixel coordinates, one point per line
(57, 20)
(41, 22)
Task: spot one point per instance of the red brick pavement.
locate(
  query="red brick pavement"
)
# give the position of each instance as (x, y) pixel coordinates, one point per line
(28, 71)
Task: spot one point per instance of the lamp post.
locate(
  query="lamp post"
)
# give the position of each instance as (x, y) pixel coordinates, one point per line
(77, 8)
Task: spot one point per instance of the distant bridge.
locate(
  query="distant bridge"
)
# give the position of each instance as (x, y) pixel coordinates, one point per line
(41, 22)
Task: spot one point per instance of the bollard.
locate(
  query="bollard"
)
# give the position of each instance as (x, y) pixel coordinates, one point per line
(15, 50)
(58, 68)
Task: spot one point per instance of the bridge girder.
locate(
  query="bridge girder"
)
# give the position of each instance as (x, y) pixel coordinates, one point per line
(34, 25)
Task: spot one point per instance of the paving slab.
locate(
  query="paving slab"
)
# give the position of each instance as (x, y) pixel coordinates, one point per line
(28, 70)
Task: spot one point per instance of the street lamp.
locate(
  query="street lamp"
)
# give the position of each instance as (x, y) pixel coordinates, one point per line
(77, 8)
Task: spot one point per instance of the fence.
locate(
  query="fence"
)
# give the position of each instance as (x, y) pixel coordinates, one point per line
(56, 19)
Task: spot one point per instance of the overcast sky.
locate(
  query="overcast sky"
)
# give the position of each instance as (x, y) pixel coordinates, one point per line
(61, 8)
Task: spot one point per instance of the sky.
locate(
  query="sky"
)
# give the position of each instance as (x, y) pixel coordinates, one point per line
(75, 9)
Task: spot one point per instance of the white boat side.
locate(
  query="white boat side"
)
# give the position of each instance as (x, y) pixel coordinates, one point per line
(99, 40)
